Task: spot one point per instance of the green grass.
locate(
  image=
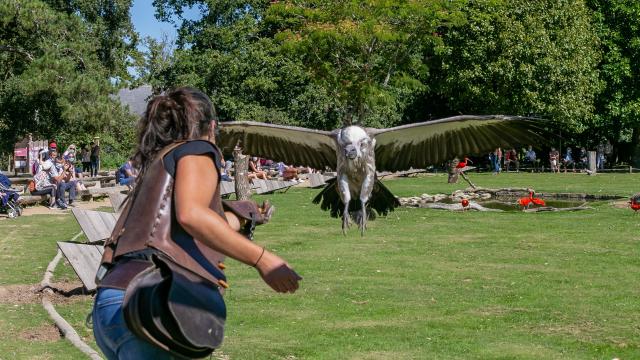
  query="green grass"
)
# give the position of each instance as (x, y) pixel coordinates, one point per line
(421, 284)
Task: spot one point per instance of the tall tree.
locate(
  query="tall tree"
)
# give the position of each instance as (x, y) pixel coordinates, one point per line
(367, 55)
(522, 57)
(617, 23)
(52, 80)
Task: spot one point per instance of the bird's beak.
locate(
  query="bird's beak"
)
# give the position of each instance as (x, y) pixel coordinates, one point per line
(469, 160)
(350, 152)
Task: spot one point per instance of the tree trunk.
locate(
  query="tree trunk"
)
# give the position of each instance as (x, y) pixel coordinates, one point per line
(453, 173)
(242, 185)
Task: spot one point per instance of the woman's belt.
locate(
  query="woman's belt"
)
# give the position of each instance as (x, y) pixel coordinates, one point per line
(120, 275)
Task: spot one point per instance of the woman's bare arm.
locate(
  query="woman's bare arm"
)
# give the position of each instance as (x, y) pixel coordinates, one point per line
(192, 199)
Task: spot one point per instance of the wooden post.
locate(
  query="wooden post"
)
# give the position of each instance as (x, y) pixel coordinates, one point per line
(591, 156)
(243, 188)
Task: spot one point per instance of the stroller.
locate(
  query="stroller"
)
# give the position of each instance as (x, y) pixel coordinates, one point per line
(9, 199)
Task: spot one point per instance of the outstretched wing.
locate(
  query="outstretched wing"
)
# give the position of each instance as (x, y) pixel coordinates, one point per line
(429, 143)
(289, 144)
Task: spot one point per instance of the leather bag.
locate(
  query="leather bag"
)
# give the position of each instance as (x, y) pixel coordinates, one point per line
(175, 309)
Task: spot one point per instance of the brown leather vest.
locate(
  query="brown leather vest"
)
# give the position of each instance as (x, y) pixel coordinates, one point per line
(146, 221)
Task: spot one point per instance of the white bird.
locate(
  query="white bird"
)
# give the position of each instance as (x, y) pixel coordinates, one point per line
(356, 153)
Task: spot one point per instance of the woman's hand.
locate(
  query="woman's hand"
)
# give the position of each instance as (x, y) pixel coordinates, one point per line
(277, 273)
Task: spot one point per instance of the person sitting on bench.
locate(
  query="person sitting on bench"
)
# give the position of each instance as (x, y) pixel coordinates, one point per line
(255, 170)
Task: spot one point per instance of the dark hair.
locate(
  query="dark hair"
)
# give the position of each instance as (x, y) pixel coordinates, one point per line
(182, 114)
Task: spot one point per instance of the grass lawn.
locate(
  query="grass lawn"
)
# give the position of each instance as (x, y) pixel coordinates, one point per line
(421, 284)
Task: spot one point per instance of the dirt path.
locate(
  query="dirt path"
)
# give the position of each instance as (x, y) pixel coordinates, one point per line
(64, 292)
(43, 210)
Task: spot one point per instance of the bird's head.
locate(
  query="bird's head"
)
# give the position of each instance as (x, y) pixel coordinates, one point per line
(355, 142)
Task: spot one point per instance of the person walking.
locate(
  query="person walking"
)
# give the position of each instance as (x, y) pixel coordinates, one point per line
(172, 210)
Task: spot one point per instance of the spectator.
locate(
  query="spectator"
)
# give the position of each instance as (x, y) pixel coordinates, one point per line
(531, 158)
(600, 156)
(567, 160)
(608, 153)
(225, 168)
(583, 158)
(127, 173)
(95, 158)
(289, 173)
(554, 156)
(255, 170)
(58, 177)
(495, 157)
(512, 158)
(44, 186)
(70, 153)
(86, 159)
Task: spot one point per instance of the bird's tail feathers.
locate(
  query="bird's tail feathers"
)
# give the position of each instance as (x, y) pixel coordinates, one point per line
(381, 200)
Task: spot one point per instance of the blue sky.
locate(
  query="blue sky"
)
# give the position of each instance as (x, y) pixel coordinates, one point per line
(145, 23)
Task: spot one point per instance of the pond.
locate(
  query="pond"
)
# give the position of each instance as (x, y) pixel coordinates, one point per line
(511, 204)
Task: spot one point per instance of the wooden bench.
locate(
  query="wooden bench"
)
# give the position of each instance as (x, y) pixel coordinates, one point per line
(270, 186)
(116, 200)
(84, 259)
(317, 180)
(96, 225)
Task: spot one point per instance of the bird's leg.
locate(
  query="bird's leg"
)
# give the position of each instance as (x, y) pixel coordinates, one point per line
(362, 222)
(345, 196)
(345, 219)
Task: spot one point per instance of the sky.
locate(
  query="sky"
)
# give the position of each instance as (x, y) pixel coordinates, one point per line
(145, 23)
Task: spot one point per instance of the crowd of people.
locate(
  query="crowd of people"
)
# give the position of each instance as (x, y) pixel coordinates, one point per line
(265, 169)
(56, 174)
(569, 160)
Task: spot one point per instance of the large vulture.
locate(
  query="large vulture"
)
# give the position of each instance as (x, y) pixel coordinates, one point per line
(356, 153)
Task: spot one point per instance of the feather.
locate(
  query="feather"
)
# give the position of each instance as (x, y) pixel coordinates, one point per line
(433, 142)
(382, 200)
(289, 144)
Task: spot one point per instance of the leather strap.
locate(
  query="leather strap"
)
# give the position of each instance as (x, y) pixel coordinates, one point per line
(111, 243)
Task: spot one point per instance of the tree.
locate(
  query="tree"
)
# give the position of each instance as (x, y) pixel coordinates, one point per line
(367, 55)
(617, 23)
(521, 57)
(52, 81)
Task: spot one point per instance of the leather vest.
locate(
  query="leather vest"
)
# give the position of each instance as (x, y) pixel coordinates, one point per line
(146, 222)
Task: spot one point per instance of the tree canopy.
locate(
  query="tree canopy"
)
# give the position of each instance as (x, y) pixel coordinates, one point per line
(59, 63)
(321, 64)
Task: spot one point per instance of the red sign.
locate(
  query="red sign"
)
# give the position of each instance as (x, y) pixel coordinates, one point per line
(20, 152)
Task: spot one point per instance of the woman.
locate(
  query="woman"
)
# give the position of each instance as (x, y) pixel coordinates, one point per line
(182, 115)
(86, 159)
(255, 170)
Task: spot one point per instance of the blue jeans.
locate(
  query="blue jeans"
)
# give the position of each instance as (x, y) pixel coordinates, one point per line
(112, 335)
(95, 164)
(67, 186)
(127, 181)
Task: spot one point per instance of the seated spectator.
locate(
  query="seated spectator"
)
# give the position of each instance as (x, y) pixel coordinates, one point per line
(511, 157)
(224, 170)
(583, 159)
(127, 173)
(44, 186)
(554, 156)
(255, 170)
(58, 173)
(567, 160)
(531, 158)
(70, 156)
